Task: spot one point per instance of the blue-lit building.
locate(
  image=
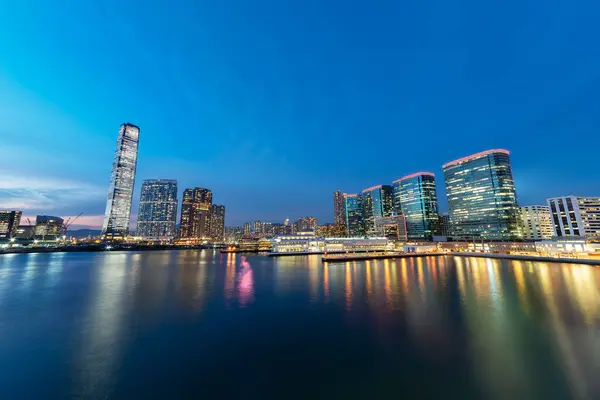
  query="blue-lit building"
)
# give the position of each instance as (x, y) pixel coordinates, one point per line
(415, 197)
(157, 215)
(378, 201)
(353, 213)
(482, 200)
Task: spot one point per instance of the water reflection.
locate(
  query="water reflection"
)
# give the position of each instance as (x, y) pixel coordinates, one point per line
(512, 329)
(245, 283)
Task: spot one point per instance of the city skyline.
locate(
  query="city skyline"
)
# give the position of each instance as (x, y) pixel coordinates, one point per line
(243, 104)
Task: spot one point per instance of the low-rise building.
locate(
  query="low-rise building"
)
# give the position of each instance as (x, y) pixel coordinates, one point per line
(575, 216)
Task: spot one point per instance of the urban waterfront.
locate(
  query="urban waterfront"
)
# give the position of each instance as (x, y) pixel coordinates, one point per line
(179, 324)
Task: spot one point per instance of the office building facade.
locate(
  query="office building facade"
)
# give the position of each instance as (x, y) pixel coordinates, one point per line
(482, 199)
(47, 227)
(574, 216)
(353, 212)
(535, 222)
(120, 193)
(157, 216)
(195, 214)
(378, 201)
(9, 223)
(338, 209)
(415, 196)
(393, 227)
(217, 222)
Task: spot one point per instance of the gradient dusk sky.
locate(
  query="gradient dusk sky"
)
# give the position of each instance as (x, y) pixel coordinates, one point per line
(276, 104)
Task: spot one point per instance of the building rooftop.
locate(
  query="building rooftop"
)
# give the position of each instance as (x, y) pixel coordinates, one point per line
(475, 156)
(414, 175)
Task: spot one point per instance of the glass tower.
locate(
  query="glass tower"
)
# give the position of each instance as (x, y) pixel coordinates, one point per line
(353, 214)
(9, 223)
(377, 202)
(122, 179)
(415, 196)
(195, 214)
(338, 208)
(158, 209)
(217, 223)
(482, 200)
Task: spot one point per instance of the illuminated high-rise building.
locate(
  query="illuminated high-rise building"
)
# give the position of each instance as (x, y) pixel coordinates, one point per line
(353, 213)
(377, 202)
(482, 200)
(122, 180)
(195, 214)
(575, 216)
(535, 222)
(47, 227)
(338, 208)
(9, 223)
(415, 196)
(157, 215)
(247, 228)
(217, 222)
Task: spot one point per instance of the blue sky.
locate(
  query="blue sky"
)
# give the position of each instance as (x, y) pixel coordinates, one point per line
(274, 105)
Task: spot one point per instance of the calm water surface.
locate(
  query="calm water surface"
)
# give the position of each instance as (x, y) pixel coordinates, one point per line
(197, 324)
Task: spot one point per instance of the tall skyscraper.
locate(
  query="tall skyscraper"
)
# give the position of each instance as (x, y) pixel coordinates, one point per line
(415, 196)
(535, 222)
(338, 208)
(353, 212)
(377, 202)
(482, 200)
(217, 222)
(575, 216)
(157, 215)
(122, 180)
(247, 228)
(195, 214)
(9, 222)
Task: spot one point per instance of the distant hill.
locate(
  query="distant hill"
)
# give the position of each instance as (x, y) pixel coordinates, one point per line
(83, 233)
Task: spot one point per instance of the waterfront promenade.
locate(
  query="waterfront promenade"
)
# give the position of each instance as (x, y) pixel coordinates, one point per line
(379, 256)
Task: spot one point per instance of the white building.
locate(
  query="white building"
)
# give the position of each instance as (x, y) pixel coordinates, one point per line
(574, 216)
(535, 222)
(309, 243)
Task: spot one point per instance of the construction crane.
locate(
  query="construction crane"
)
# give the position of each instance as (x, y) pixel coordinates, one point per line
(68, 223)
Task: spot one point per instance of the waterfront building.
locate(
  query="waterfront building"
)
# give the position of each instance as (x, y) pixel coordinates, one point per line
(377, 202)
(415, 196)
(393, 227)
(257, 227)
(9, 223)
(444, 225)
(309, 243)
(25, 232)
(575, 216)
(535, 222)
(122, 180)
(353, 211)
(482, 200)
(195, 214)
(217, 223)
(338, 209)
(47, 227)
(247, 228)
(157, 216)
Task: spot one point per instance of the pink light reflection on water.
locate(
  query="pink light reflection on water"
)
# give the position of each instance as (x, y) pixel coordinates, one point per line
(245, 283)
